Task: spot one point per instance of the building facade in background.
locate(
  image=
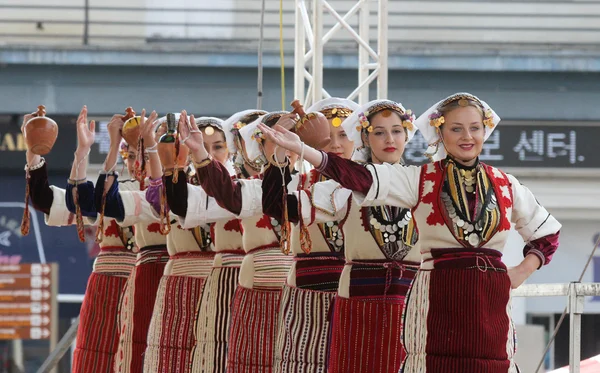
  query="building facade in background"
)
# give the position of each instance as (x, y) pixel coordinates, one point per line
(536, 63)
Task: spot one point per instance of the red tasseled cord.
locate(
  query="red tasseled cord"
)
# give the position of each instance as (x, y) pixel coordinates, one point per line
(305, 240)
(78, 215)
(140, 164)
(165, 227)
(285, 226)
(176, 150)
(25, 220)
(100, 227)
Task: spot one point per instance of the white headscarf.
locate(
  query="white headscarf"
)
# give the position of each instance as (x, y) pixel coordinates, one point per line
(229, 123)
(353, 127)
(250, 143)
(203, 122)
(430, 132)
(333, 102)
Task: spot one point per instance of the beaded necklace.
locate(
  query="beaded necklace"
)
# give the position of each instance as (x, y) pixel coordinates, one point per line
(470, 226)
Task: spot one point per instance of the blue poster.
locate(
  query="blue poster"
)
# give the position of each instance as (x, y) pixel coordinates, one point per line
(43, 244)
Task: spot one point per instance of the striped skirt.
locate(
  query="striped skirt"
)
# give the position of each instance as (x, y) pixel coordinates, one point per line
(252, 330)
(171, 332)
(271, 267)
(137, 307)
(458, 315)
(302, 343)
(214, 314)
(98, 333)
(367, 327)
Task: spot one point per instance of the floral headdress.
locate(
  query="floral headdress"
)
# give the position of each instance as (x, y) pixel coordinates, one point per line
(357, 123)
(209, 124)
(429, 122)
(406, 116)
(436, 118)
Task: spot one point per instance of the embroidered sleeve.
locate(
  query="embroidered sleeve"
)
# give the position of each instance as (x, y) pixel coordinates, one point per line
(201, 208)
(85, 193)
(40, 191)
(113, 206)
(375, 185)
(325, 201)
(349, 174)
(544, 248)
(272, 194)
(135, 208)
(51, 200)
(177, 194)
(216, 181)
(533, 222)
(154, 192)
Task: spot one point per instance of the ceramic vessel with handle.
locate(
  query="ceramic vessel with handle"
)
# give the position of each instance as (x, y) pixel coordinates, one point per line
(312, 128)
(40, 132)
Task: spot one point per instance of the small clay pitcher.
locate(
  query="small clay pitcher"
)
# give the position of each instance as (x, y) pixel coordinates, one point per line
(40, 132)
(131, 128)
(166, 143)
(312, 128)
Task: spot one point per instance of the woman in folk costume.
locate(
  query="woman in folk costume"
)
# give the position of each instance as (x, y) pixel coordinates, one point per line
(380, 247)
(98, 332)
(303, 331)
(171, 334)
(458, 311)
(214, 312)
(171, 339)
(265, 267)
(140, 291)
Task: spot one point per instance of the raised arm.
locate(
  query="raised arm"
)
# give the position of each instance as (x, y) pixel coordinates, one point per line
(40, 193)
(85, 140)
(216, 182)
(373, 184)
(177, 193)
(272, 195)
(213, 176)
(84, 198)
(323, 202)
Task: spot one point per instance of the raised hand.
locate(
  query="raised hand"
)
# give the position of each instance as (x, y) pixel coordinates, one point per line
(288, 121)
(160, 131)
(189, 134)
(32, 159)
(114, 127)
(26, 119)
(147, 126)
(85, 133)
(191, 138)
(282, 137)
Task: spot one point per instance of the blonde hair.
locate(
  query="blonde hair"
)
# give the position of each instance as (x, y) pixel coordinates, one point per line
(446, 107)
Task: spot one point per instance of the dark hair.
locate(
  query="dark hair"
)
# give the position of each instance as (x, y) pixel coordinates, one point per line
(251, 117)
(384, 113)
(271, 119)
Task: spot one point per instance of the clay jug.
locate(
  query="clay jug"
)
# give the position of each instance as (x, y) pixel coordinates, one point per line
(40, 132)
(312, 128)
(131, 128)
(166, 143)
